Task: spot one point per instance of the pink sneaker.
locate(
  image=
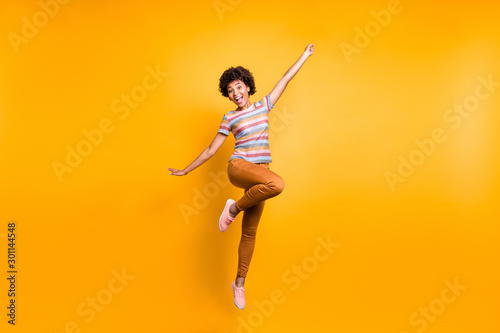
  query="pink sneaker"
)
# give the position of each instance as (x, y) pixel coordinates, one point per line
(225, 220)
(239, 296)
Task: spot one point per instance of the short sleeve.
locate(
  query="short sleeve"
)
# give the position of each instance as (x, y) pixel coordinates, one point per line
(266, 101)
(268, 104)
(224, 126)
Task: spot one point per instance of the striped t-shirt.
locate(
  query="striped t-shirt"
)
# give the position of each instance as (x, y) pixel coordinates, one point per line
(251, 131)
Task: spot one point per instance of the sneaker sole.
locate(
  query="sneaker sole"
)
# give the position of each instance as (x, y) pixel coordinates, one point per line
(237, 305)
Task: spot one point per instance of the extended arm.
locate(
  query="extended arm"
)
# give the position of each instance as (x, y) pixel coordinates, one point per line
(204, 156)
(290, 73)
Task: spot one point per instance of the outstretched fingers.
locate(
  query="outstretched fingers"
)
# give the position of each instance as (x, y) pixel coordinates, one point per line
(175, 172)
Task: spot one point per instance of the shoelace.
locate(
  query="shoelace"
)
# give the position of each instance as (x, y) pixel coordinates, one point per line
(240, 292)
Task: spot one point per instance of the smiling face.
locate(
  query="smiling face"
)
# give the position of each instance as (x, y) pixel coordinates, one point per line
(238, 93)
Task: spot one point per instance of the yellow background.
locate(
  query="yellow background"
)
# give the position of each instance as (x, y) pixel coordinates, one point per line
(344, 125)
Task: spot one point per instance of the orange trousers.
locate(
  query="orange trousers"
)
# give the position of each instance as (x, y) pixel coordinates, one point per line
(260, 184)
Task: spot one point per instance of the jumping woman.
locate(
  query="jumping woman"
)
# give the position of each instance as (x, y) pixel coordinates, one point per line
(248, 167)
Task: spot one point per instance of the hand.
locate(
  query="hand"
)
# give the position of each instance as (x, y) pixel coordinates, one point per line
(175, 172)
(309, 50)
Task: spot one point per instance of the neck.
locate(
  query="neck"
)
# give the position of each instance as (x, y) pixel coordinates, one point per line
(246, 106)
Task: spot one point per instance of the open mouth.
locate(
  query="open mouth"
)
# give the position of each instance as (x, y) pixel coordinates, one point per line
(238, 99)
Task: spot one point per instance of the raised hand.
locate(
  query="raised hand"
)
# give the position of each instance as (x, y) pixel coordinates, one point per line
(309, 50)
(290, 73)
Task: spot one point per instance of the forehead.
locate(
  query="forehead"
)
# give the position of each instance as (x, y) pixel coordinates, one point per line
(234, 83)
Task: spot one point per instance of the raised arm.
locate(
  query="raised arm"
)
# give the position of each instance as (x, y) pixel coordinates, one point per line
(204, 156)
(290, 73)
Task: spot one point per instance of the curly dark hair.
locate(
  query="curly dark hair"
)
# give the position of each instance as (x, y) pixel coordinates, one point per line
(236, 73)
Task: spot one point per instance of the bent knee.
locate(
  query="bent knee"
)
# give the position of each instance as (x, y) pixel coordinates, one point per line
(277, 186)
